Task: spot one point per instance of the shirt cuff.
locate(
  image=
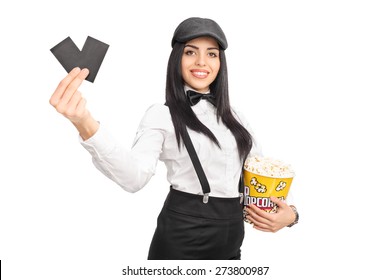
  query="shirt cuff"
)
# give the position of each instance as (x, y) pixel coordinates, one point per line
(100, 144)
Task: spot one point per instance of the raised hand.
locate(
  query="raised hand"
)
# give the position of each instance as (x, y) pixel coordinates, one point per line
(68, 101)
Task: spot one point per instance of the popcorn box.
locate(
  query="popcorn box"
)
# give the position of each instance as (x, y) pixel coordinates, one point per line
(263, 178)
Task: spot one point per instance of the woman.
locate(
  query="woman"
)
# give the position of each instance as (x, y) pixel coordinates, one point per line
(202, 142)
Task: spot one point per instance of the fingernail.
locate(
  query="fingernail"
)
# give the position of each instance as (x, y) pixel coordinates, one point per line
(85, 71)
(76, 70)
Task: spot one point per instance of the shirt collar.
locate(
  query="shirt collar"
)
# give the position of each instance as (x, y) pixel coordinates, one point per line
(203, 107)
(186, 87)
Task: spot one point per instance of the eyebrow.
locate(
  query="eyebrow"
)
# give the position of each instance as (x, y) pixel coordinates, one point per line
(195, 47)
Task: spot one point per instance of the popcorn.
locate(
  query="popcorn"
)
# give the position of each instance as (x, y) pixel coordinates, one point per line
(269, 167)
(265, 177)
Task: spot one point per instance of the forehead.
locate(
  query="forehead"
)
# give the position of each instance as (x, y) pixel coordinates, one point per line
(208, 42)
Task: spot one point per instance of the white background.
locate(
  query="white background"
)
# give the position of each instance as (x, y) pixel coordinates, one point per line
(311, 77)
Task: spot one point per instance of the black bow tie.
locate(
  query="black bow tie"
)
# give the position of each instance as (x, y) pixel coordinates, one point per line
(194, 97)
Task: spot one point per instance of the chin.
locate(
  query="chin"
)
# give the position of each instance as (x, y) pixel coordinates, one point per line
(200, 88)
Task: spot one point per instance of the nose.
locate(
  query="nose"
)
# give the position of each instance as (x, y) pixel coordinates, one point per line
(200, 61)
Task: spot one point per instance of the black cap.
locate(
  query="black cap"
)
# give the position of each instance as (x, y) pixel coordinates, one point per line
(195, 27)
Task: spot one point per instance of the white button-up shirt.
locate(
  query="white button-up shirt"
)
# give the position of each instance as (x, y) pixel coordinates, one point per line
(132, 167)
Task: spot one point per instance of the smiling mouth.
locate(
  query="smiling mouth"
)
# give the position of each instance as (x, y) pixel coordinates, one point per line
(199, 74)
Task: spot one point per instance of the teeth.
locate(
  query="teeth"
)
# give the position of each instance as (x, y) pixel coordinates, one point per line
(200, 73)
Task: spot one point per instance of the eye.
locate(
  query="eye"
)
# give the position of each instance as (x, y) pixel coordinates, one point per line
(189, 52)
(213, 54)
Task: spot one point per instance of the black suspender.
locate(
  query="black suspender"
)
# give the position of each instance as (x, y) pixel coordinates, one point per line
(198, 167)
(199, 170)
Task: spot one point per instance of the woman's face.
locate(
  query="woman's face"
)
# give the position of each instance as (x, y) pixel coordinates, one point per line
(200, 63)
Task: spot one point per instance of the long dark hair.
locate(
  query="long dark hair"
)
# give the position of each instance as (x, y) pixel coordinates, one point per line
(182, 114)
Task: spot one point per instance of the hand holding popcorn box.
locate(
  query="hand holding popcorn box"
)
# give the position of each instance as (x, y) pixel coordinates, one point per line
(265, 177)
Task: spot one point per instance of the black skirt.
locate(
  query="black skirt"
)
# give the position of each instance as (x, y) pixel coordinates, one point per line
(188, 229)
